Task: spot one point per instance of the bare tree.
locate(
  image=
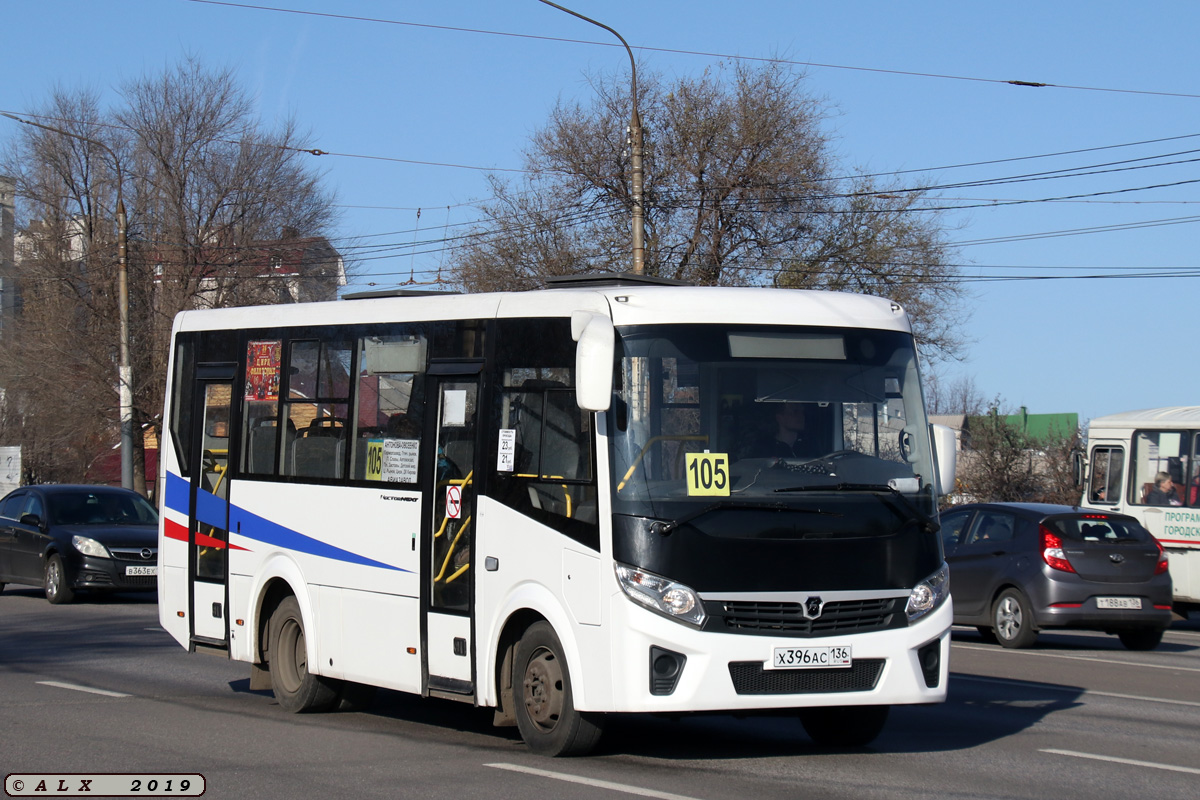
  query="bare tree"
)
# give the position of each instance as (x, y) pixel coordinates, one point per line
(953, 395)
(1057, 468)
(740, 189)
(202, 180)
(1004, 463)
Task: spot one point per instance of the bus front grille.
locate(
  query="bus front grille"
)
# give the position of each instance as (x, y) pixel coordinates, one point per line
(840, 617)
(749, 677)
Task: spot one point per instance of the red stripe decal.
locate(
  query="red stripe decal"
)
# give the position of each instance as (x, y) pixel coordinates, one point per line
(173, 530)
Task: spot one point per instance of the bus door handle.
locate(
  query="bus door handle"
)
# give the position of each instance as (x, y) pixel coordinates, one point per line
(491, 563)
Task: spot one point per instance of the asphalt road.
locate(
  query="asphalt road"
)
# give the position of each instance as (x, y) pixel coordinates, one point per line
(1077, 716)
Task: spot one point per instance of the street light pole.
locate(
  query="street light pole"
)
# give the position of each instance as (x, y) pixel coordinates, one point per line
(125, 367)
(636, 149)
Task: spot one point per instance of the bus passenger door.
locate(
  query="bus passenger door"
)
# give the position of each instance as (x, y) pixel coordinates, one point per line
(208, 528)
(450, 534)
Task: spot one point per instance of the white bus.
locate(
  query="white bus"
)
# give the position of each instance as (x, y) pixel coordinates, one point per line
(1147, 463)
(562, 504)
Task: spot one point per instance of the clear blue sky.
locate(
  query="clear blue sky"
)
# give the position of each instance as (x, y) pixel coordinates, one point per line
(927, 94)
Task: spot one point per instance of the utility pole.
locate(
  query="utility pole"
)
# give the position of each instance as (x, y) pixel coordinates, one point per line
(636, 149)
(125, 367)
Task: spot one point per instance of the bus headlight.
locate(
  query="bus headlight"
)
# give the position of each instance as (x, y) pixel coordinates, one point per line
(928, 594)
(661, 595)
(89, 547)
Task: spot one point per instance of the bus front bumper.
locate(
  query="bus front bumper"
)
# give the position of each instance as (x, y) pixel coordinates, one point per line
(660, 665)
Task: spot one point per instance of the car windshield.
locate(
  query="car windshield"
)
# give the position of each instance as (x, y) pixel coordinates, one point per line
(717, 418)
(100, 508)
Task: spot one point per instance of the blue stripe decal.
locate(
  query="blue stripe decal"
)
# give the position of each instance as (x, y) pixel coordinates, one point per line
(258, 528)
(176, 495)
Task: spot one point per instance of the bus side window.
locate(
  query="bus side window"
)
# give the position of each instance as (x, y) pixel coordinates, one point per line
(549, 473)
(389, 407)
(1193, 487)
(316, 406)
(1157, 454)
(1107, 467)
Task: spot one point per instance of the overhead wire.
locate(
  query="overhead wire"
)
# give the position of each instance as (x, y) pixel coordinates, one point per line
(1032, 84)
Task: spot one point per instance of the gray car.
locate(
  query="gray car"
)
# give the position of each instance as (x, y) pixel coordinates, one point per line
(1019, 568)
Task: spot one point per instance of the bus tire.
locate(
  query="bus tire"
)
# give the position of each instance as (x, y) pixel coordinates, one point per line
(844, 726)
(1012, 620)
(544, 703)
(57, 585)
(296, 689)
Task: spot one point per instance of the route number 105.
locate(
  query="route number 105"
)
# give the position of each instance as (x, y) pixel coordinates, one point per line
(707, 474)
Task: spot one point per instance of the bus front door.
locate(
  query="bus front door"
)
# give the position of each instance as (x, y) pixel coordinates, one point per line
(208, 528)
(450, 533)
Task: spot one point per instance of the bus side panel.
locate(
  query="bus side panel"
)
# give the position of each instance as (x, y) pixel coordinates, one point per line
(173, 596)
(361, 537)
(362, 544)
(364, 637)
(1185, 573)
(533, 564)
(173, 555)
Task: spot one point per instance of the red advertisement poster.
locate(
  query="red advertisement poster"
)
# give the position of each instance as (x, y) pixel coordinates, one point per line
(262, 370)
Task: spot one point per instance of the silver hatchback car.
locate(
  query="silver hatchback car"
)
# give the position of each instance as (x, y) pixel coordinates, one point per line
(1018, 568)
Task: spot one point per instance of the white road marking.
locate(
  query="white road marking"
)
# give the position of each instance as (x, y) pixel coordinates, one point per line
(1064, 656)
(1130, 761)
(78, 688)
(616, 787)
(1050, 688)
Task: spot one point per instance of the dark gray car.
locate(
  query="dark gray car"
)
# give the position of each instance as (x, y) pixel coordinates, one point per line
(1018, 568)
(65, 538)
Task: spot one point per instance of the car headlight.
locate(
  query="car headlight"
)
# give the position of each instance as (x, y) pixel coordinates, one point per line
(928, 594)
(659, 594)
(89, 547)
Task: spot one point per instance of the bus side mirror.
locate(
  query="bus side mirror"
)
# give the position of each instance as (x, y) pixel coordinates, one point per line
(1077, 467)
(595, 339)
(945, 456)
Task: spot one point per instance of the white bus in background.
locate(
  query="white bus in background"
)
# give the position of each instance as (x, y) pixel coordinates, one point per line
(562, 504)
(1131, 452)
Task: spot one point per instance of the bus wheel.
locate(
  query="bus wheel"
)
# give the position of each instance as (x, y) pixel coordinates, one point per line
(844, 726)
(1012, 620)
(57, 585)
(544, 706)
(296, 689)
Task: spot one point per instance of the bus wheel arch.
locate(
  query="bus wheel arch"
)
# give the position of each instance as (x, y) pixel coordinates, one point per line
(542, 696)
(506, 645)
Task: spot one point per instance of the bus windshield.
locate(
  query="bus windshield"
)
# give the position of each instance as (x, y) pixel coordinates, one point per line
(788, 418)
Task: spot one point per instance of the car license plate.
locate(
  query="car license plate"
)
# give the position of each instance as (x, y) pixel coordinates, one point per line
(1134, 603)
(131, 571)
(810, 657)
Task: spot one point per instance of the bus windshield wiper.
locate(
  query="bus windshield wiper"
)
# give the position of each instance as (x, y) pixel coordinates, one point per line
(929, 523)
(667, 528)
